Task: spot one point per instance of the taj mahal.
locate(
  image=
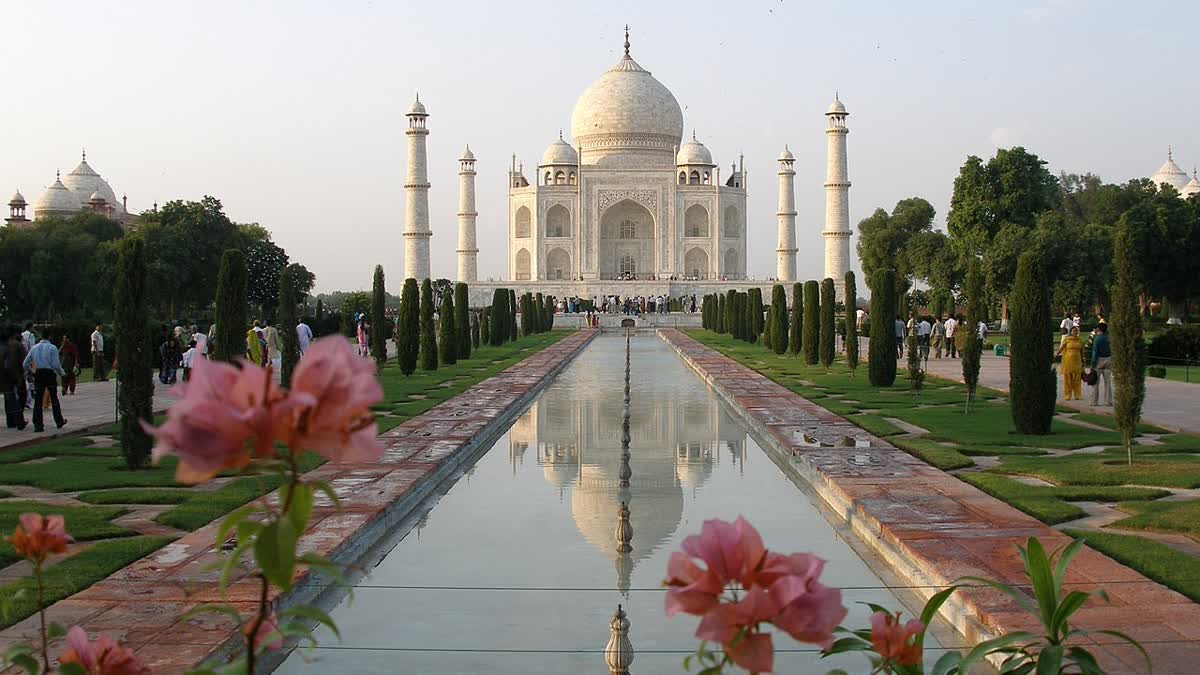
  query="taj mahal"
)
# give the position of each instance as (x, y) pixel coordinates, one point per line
(627, 205)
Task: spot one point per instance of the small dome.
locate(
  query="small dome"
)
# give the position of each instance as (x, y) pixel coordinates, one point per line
(836, 108)
(57, 200)
(417, 108)
(693, 152)
(786, 155)
(97, 197)
(1192, 187)
(560, 152)
(1170, 173)
(467, 154)
(17, 198)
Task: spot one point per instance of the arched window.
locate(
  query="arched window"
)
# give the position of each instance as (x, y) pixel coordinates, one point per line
(682, 178)
(558, 221)
(695, 264)
(695, 178)
(628, 229)
(547, 181)
(695, 221)
(733, 223)
(628, 266)
(706, 180)
(558, 264)
(571, 178)
(559, 178)
(522, 228)
(523, 264)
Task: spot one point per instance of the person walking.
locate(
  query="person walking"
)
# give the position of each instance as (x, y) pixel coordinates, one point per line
(69, 355)
(951, 328)
(1101, 364)
(169, 354)
(201, 341)
(188, 360)
(1066, 325)
(12, 380)
(274, 346)
(923, 332)
(98, 372)
(28, 338)
(254, 350)
(899, 338)
(43, 361)
(1071, 351)
(938, 337)
(304, 336)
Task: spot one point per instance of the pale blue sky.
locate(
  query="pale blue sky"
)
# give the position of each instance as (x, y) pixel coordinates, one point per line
(292, 112)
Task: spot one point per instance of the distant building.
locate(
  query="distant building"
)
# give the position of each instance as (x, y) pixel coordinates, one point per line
(1172, 175)
(81, 190)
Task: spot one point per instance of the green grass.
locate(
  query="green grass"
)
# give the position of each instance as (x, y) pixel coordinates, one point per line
(1182, 517)
(77, 573)
(992, 425)
(932, 452)
(1051, 505)
(1179, 471)
(1108, 422)
(70, 446)
(1175, 570)
(136, 496)
(994, 450)
(1189, 374)
(83, 523)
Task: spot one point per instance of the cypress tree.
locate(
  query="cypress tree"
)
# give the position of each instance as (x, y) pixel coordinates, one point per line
(498, 318)
(512, 314)
(448, 330)
(851, 322)
(779, 320)
(475, 330)
(289, 352)
(407, 338)
(743, 316)
(1128, 346)
(485, 332)
(320, 310)
(231, 307)
(548, 323)
(972, 351)
(1031, 383)
(722, 313)
(462, 321)
(881, 364)
(134, 351)
(796, 329)
(429, 355)
(812, 322)
(768, 337)
(916, 377)
(526, 314)
(827, 323)
(378, 319)
(539, 306)
(731, 315)
(755, 314)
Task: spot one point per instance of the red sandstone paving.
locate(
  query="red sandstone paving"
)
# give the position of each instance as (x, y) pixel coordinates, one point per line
(948, 529)
(143, 604)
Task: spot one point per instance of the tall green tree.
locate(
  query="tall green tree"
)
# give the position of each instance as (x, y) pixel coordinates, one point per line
(378, 319)
(429, 355)
(851, 322)
(462, 321)
(812, 322)
(135, 398)
(408, 341)
(886, 241)
(881, 364)
(539, 307)
(289, 352)
(1128, 346)
(722, 313)
(1031, 385)
(972, 351)
(1164, 238)
(448, 336)
(231, 307)
(754, 310)
(498, 321)
(485, 328)
(512, 314)
(779, 319)
(732, 322)
(827, 333)
(796, 325)
(476, 337)
(528, 322)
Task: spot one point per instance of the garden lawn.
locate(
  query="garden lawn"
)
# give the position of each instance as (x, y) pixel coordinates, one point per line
(1177, 571)
(83, 523)
(1178, 471)
(1174, 516)
(1051, 505)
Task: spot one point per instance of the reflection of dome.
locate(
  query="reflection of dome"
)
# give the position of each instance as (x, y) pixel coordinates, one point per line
(57, 200)
(655, 505)
(559, 152)
(694, 152)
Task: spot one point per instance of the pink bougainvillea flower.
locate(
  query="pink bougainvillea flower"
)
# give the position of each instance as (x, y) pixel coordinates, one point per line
(37, 536)
(335, 420)
(809, 611)
(755, 652)
(896, 643)
(730, 551)
(267, 635)
(225, 413)
(692, 590)
(102, 657)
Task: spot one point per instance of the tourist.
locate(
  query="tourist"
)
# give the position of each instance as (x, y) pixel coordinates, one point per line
(1076, 320)
(982, 331)
(910, 328)
(304, 336)
(923, 331)
(274, 348)
(254, 345)
(899, 338)
(1066, 325)
(43, 361)
(28, 338)
(201, 341)
(938, 337)
(98, 357)
(361, 332)
(12, 380)
(189, 359)
(169, 355)
(69, 354)
(951, 346)
(860, 315)
(1071, 351)
(1101, 357)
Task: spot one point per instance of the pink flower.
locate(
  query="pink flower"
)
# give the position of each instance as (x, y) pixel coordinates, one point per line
(37, 536)
(340, 388)
(267, 635)
(809, 610)
(102, 657)
(896, 643)
(225, 412)
(754, 652)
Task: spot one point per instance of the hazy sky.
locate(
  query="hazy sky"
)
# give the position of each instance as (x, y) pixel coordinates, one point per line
(292, 112)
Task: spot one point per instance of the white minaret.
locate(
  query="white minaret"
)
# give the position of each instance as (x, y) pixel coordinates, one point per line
(416, 213)
(787, 217)
(468, 253)
(837, 199)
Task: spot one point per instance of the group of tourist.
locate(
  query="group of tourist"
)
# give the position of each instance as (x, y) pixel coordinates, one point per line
(31, 362)
(1071, 348)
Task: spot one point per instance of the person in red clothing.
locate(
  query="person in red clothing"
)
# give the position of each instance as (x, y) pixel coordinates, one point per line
(69, 354)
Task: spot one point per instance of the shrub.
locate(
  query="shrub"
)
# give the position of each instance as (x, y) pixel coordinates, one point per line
(1128, 347)
(881, 364)
(827, 322)
(512, 314)
(447, 330)
(548, 325)
(527, 320)
(464, 323)
(851, 323)
(289, 352)
(916, 376)
(498, 317)
(729, 311)
(136, 393)
(1176, 343)
(972, 351)
(230, 336)
(485, 332)
(754, 314)
(378, 318)
(408, 341)
(429, 355)
(796, 327)
(1031, 375)
(812, 322)
(1156, 371)
(779, 320)
(722, 313)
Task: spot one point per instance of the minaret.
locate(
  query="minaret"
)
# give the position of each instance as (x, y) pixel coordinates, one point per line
(787, 217)
(837, 199)
(468, 253)
(416, 214)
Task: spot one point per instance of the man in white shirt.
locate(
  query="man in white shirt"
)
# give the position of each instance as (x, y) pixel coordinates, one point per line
(303, 337)
(98, 359)
(1065, 326)
(201, 341)
(29, 338)
(859, 316)
(951, 324)
(923, 330)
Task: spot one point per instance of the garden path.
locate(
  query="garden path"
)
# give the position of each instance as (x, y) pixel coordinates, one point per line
(92, 406)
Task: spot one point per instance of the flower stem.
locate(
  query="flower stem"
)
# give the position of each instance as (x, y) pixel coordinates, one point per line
(41, 592)
(252, 636)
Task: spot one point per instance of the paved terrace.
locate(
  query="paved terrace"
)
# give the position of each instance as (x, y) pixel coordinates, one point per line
(933, 528)
(143, 604)
(92, 406)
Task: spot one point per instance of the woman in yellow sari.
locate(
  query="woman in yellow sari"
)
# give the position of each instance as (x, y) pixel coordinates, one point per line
(254, 351)
(1071, 351)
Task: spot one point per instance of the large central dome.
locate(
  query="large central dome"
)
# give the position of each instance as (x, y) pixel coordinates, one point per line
(627, 115)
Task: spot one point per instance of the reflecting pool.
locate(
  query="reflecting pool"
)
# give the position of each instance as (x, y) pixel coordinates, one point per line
(514, 569)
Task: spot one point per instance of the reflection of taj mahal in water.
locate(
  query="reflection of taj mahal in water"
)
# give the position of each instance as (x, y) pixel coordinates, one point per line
(675, 445)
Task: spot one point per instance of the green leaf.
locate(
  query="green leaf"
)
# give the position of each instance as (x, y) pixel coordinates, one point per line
(1064, 559)
(71, 669)
(301, 507)
(275, 553)
(947, 664)
(846, 644)
(247, 529)
(837, 671)
(930, 611)
(231, 521)
(313, 614)
(55, 630)
(232, 562)
(1071, 603)
(214, 608)
(1050, 660)
(1084, 660)
(327, 490)
(995, 646)
(1037, 566)
(1020, 598)
(27, 663)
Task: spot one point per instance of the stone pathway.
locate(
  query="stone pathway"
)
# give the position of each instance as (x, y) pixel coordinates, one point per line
(1171, 405)
(92, 406)
(933, 528)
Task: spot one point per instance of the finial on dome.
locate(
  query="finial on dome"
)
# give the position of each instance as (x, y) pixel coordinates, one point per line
(85, 154)
(1169, 152)
(57, 174)
(626, 39)
(560, 134)
(693, 134)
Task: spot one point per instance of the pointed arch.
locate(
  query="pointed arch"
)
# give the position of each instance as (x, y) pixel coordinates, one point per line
(695, 221)
(521, 223)
(558, 264)
(558, 221)
(523, 265)
(695, 264)
(732, 266)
